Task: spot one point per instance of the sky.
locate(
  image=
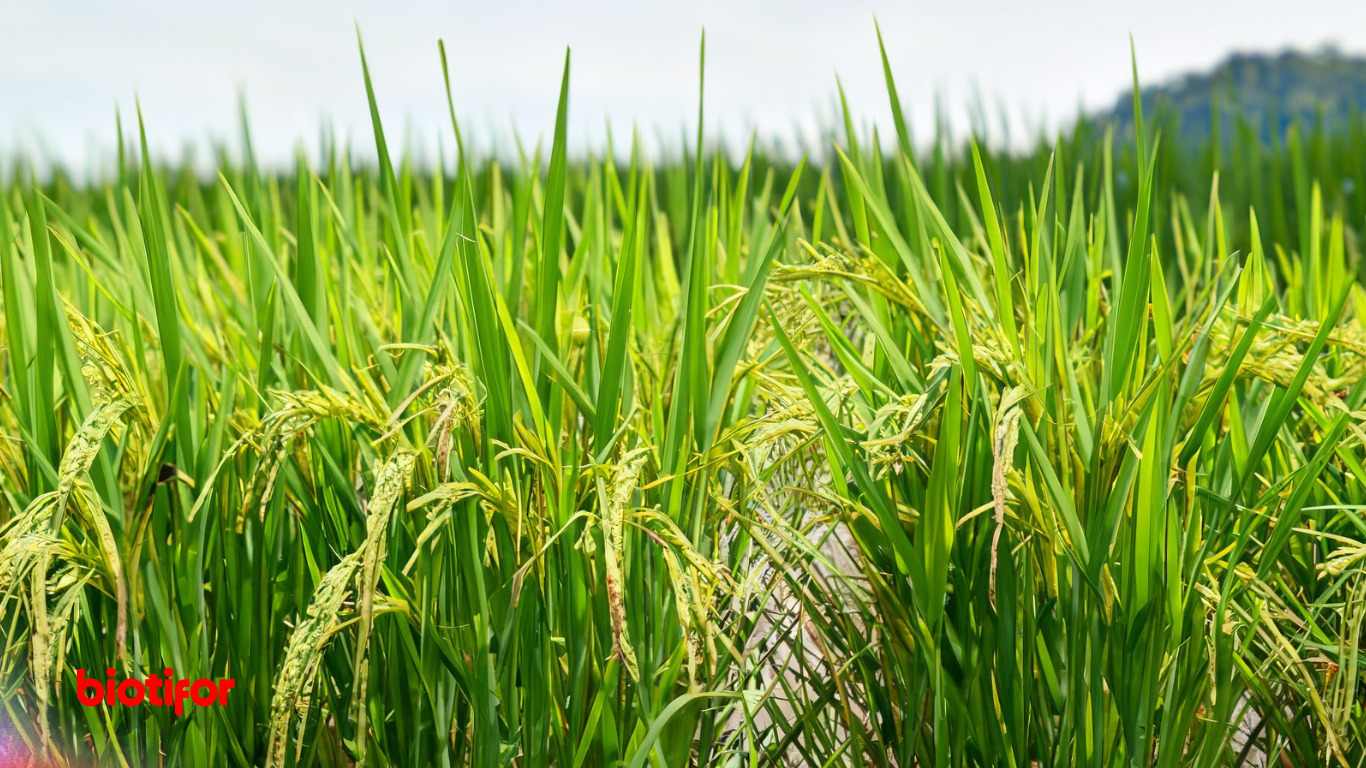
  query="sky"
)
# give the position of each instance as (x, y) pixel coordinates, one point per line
(66, 66)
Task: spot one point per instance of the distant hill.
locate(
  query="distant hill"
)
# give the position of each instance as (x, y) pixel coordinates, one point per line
(1266, 89)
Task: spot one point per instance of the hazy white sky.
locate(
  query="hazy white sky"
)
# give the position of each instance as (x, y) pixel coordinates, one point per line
(771, 65)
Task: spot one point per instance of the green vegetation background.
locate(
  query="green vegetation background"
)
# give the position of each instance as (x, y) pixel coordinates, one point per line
(934, 455)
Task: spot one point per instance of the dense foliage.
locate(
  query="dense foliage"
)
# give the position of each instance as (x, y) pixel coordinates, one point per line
(1263, 93)
(910, 456)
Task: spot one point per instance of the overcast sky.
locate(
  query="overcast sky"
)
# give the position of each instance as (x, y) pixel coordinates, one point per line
(771, 65)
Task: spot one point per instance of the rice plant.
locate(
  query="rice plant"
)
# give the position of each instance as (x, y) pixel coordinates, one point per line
(889, 456)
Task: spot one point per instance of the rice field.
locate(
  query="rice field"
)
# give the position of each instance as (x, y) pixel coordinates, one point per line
(896, 455)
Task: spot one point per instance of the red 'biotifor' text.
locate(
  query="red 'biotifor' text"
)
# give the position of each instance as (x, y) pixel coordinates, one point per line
(156, 691)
